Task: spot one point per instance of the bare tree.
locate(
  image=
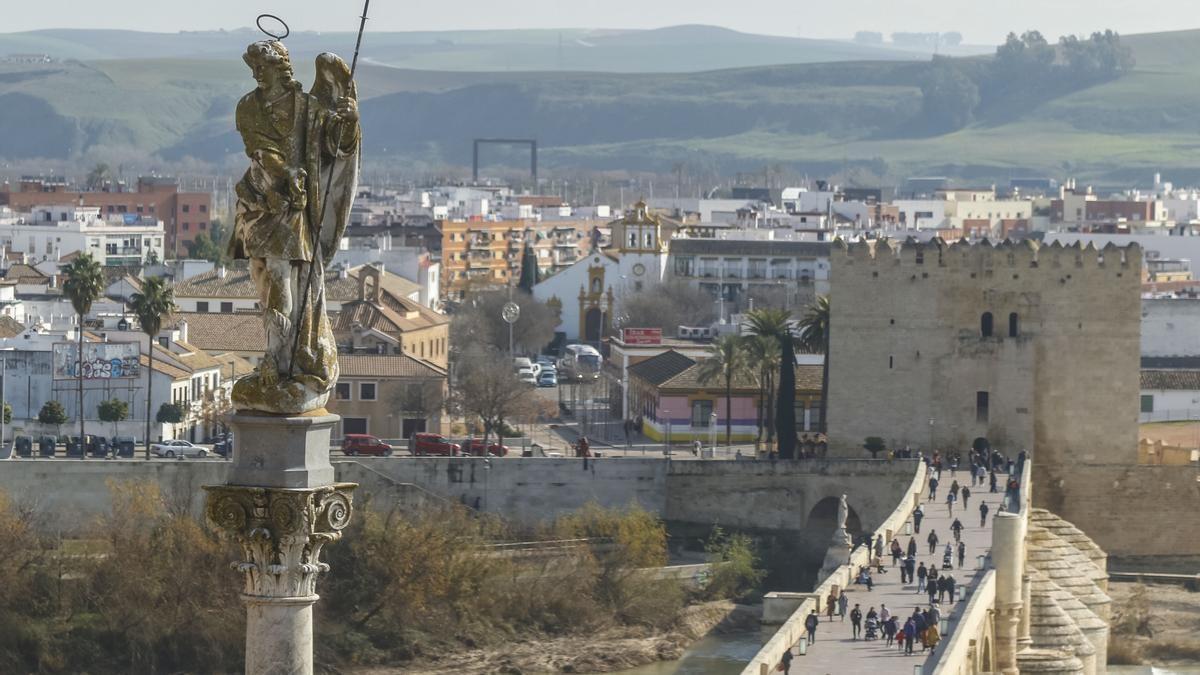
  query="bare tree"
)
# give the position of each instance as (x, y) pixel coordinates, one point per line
(488, 388)
(477, 322)
(668, 307)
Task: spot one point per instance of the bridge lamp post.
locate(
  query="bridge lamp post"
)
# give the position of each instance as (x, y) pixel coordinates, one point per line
(712, 433)
(803, 646)
(930, 436)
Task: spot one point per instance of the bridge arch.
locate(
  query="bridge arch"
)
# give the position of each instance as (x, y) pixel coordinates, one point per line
(822, 519)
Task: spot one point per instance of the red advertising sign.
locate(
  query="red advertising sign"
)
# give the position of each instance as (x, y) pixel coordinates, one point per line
(641, 336)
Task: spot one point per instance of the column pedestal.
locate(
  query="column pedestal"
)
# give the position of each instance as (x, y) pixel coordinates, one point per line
(282, 507)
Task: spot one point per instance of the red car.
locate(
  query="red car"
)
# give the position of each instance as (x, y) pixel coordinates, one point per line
(362, 444)
(475, 448)
(434, 444)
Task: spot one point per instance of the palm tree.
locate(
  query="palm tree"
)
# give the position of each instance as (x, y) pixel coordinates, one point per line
(767, 326)
(814, 337)
(726, 361)
(83, 286)
(155, 301)
(98, 175)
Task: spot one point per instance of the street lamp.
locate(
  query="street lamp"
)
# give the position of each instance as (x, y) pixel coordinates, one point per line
(931, 436)
(510, 313)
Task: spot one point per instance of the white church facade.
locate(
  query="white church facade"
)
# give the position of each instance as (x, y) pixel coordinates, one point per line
(586, 295)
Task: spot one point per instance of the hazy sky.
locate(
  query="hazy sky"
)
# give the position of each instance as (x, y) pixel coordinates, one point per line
(980, 21)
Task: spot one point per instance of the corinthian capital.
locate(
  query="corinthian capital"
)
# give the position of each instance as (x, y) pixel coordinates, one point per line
(281, 532)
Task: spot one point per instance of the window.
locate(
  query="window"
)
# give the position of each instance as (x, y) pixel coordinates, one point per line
(366, 391)
(203, 208)
(203, 226)
(981, 407)
(201, 306)
(187, 226)
(186, 208)
(354, 425)
(1013, 325)
(985, 324)
(227, 308)
(1147, 403)
(891, 362)
(343, 391)
(701, 414)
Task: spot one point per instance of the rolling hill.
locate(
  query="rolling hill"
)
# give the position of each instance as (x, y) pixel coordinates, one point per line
(817, 117)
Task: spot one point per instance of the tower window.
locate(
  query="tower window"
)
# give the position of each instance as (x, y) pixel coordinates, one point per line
(1013, 325)
(985, 324)
(981, 407)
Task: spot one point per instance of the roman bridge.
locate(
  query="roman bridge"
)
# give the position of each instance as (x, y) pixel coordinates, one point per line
(1033, 596)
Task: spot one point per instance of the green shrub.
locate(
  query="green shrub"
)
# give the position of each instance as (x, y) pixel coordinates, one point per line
(735, 566)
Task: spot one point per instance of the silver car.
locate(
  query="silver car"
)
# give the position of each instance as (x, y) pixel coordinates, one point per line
(173, 448)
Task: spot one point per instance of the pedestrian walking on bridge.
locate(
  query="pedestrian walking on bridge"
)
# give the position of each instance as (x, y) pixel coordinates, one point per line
(843, 600)
(966, 495)
(810, 624)
(983, 511)
(933, 541)
(855, 622)
(918, 514)
(957, 527)
(962, 553)
(950, 499)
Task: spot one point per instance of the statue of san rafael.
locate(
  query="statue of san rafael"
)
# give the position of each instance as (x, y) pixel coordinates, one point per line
(292, 208)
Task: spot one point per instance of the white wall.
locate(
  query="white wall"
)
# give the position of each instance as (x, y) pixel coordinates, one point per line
(1172, 405)
(1171, 327)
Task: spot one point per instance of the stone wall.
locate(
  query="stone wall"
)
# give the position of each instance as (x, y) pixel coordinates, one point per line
(72, 493)
(1144, 517)
(736, 494)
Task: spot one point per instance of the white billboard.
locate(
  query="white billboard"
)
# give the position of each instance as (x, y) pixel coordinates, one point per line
(101, 361)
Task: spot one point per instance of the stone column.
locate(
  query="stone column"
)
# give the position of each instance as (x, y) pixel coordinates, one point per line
(1009, 557)
(282, 507)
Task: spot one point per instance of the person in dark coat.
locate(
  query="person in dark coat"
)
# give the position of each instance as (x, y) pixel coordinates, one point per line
(983, 511)
(787, 662)
(912, 546)
(917, 515)
(962, 553)
(951, 585)
(966, 496)
(910, 630)
(933, 541)
(922, 575)
(810, 624)
(855, 622)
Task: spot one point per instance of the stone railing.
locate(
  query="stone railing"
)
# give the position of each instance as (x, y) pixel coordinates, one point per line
(959, 653)
(791, 631)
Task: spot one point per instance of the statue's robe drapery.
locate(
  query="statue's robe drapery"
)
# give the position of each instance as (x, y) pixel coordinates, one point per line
(295, 144)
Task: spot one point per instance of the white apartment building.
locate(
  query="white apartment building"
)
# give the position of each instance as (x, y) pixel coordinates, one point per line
(49, 232)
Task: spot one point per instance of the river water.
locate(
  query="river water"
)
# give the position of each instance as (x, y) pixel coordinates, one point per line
(724, 654)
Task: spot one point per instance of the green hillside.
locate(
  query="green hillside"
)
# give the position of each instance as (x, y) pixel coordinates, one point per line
(674, 49)
(814, 117)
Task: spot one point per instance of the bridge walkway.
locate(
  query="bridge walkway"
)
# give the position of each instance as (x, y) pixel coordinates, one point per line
(836, 652)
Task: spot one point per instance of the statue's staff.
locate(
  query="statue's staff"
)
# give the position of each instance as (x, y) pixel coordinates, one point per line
(316, 229)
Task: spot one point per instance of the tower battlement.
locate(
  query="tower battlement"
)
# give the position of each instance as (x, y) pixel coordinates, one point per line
(882, 254)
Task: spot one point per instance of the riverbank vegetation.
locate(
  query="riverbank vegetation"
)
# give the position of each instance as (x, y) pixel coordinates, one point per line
(151, 590)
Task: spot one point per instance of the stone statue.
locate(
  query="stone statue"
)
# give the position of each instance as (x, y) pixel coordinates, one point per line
(293, 204)
(843, 514)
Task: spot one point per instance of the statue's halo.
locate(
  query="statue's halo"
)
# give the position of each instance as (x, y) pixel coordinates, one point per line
(286, 30)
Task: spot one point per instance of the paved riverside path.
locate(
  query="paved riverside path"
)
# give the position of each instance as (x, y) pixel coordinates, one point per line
(836, 653)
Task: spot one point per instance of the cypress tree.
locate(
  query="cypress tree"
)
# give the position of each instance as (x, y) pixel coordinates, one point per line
(785, 400)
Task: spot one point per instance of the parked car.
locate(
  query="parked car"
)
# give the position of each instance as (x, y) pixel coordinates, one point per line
(97, 446)
(47, 446)
(362, 444)
(124, 446)
(434, 444)
(223, 445)
(526, 375)
(23, 446)
(174, 448)
(548, 378)
(520, 362)
(474, 447)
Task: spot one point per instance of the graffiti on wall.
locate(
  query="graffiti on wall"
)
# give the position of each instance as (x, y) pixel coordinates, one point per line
(101, 361)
